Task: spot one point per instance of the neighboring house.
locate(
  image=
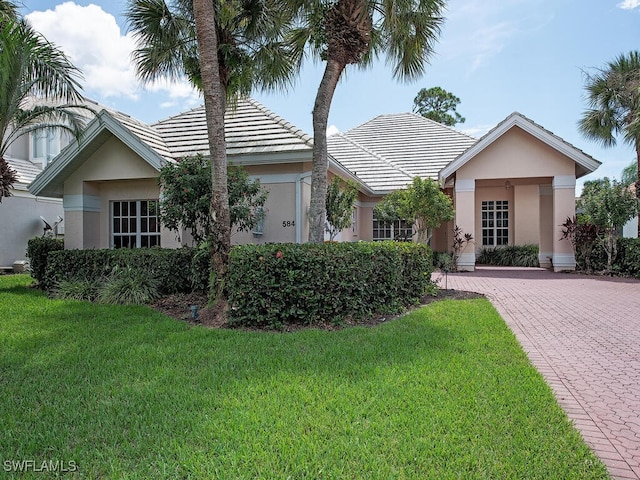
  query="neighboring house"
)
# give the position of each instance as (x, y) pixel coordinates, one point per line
(20, 213)
(513, 186)
(630, 230)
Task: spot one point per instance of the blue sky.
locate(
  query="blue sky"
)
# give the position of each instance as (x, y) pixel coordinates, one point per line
(498, 56)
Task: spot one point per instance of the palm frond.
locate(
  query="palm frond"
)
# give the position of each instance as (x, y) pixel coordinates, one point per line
(613, 97)
(38, 84)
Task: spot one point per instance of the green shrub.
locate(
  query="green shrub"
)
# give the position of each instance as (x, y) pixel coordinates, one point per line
(625, 263)
(129, 286)
(76, 289)
(174, 269)
(38, 249)
(628, 261)
(510, 256)
(275, 284)
(443, 261)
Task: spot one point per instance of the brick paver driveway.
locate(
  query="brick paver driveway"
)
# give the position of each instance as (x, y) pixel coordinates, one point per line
(583, 334)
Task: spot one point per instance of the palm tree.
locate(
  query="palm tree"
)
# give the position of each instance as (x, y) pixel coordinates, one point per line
(613, 95)
(225, 49)
(345, 32)
(251, 52)
(39, 88)
(8, 9)
(214, 101)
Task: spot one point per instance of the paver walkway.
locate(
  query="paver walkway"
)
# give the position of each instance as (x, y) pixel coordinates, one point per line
(583, 335)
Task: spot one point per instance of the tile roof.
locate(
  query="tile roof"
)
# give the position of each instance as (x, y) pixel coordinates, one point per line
(26, 171)
(376, 172)
(398, 147)
(147, 134)
(249, 128)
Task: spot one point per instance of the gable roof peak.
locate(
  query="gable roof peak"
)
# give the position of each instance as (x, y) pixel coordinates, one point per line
(584, 161)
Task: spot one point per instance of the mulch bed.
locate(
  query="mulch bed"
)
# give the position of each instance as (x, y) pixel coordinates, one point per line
(178, 306)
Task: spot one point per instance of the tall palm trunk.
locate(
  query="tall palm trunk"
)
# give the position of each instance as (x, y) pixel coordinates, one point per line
(317, 208)
(214, 102)
(348, 28)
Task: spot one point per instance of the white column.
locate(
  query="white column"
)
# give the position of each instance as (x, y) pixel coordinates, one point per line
(564, 205)
(465, 204)
(545, 255)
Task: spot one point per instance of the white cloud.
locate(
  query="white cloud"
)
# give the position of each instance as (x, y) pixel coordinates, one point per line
(94, 43)
(476, 30)
(629, 4)
(179, 93)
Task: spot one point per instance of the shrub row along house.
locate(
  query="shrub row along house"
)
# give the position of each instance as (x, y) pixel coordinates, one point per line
(515, 185)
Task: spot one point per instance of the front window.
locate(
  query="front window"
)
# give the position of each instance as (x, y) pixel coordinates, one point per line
(134, 224)
(400, 230)
(495, 223)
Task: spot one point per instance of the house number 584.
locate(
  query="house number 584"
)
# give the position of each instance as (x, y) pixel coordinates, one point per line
(288, 223)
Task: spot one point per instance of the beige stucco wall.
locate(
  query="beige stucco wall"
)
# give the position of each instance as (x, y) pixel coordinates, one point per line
(113, 172)
(280, 218)
(112, 161)
(526, 215)
(516, 154)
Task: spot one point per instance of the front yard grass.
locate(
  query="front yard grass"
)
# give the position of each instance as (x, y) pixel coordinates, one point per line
(125, 392)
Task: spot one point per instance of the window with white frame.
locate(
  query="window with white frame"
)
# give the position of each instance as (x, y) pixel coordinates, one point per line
(134, 224)
(495, 223)
(45, 144)
(398, 230)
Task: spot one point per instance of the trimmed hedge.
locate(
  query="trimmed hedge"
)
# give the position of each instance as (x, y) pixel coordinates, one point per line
(177, 270)
(38, 249)
(510, 256)
(274, 284)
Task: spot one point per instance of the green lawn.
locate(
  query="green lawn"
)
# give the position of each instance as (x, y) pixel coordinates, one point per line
(125, 392)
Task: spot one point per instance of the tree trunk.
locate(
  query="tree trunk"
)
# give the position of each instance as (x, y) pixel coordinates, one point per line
(214, 102)
(318, 208)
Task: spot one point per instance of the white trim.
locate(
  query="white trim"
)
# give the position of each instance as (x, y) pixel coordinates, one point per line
(564, 261)
(516, 119)
(465, 185)
(299, 180)
(467, 262)
(563, 181)
(55, 201)
(545, 258)
(81, 203)
(545, 190)
(271, 178)
(367, 204)
(268, 158)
